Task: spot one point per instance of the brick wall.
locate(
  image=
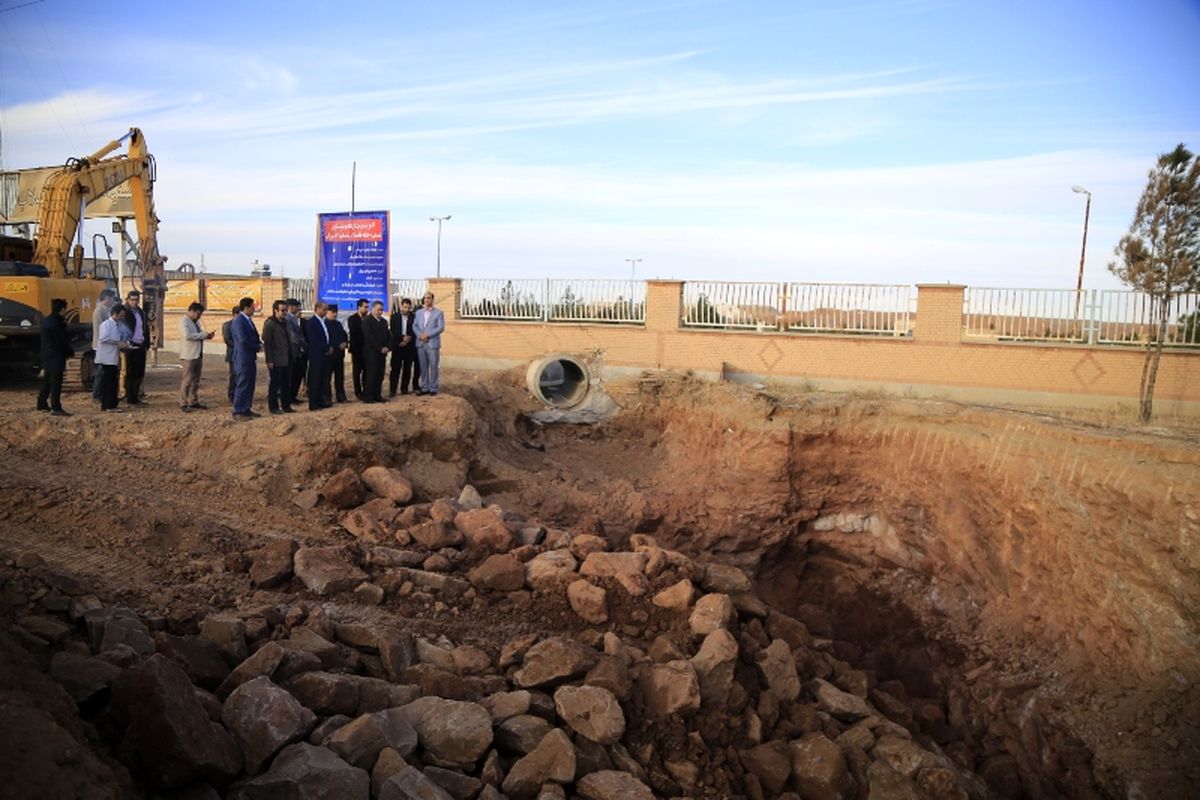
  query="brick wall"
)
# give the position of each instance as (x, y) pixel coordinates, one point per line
(935, 362)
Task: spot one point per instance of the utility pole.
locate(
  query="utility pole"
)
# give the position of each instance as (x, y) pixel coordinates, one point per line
(633, 262)
(1087, 212)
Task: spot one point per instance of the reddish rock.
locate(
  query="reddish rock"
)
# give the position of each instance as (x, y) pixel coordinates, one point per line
(553, 760)
(500, 572)
(452, 733)
(554, 660)
(325, 692)
(389, 483)
(588, 601)
(670, 688)
(435, 535)
(819, 768)
(324, 571)
(484, 530)
(629, 570)
(585, 544)
(305, 772)
(344, 490)
(263, 718)
(612, 785)
(592, 712)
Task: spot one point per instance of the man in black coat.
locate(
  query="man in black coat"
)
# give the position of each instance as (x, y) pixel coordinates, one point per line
(139, 345)
(339, 343)
(357, 365)
(404, 351)
(227, 337)
(376, 346)
(56, 349)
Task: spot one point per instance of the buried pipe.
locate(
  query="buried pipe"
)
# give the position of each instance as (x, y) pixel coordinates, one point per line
(568, 390)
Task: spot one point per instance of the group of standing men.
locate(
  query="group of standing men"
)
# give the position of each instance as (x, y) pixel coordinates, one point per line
(313, 352)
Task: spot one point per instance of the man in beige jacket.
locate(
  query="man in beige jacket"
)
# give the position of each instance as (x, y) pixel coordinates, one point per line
(191, 357)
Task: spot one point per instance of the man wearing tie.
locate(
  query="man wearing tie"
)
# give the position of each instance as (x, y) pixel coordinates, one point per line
(428, 327)
(246, 345)
(316, 333)
(404, 351)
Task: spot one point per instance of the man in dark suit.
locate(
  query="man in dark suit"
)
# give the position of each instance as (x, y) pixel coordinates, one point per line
(404, 351)
(277, 349)
(246, 346)
(298, 366)
(316, 333)
(338, 342)
(56, 349)
(139, 344)
(376, 346)
(357, 364)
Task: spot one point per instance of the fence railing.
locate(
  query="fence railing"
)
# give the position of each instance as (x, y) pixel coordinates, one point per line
(412, 288)
(304, 290)
(1115, 317)
(554, 300)
(853, 308)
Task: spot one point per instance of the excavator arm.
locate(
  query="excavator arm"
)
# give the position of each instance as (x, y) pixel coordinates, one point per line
(83, 180)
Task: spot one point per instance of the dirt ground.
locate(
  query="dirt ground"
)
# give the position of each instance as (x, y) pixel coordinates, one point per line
(1033, 574)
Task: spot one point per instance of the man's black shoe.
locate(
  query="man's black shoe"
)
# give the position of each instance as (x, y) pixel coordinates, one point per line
(199, 405)
(186, 409)
(289, 410)
(58, 412)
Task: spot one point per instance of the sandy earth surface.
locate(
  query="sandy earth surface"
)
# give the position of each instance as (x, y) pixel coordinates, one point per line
(1035, 574)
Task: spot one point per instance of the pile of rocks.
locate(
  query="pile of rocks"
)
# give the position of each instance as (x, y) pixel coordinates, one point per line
(672, 679)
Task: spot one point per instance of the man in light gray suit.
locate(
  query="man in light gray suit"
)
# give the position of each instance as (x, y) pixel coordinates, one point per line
(428, 324)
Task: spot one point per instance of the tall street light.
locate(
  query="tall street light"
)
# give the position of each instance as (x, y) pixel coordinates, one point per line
(1087, 212)
(439, 221)
(633, 262)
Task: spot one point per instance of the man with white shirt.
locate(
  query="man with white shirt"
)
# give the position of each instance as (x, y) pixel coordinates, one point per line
(113, 340)
(191, 357)
(428, 326)
(404, 351)
(320, 350)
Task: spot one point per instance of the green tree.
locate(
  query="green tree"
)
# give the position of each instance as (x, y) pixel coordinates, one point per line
(1160, 255)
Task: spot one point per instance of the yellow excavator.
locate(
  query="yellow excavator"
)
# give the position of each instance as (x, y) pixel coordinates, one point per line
(34, 272)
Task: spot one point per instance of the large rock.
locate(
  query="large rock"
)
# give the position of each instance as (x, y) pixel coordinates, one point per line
(434, 535)
(724, 579)
(389, 483)
(307, 640)
(903, 755)
(264, 662)
(484, 530)
(506, 705)
(344, 490)
(819, 768)
(501, 572)
(325, 692)
(168, 733)
(670, 688)
(553, 760)
(628, 569)
(455, 783)
(585, 544)
(409, 783)
(885, 783)
(554, 660)
(835, 702)
(550, 570)
(369, 523)
(84, 677)
(588, 601)
(592, 712)
(271, 564)
(453, 733)
(200, 658)
(360, 741)
(305, 772)
(612, 673)
(712, 612)
(676, 597)
(228, 632)
(263, 718)
(771, 763)
(324, 571)
(612, 785)
(778, 669)
(715, 663)
(522, 733)
(397, 652)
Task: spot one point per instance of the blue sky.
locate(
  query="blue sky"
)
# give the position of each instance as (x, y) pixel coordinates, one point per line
(885, 141)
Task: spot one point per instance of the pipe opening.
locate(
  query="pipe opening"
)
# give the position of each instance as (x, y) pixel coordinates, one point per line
(558, 381)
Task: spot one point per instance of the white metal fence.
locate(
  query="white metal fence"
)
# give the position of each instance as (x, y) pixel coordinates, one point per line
(304, 290)
(853, 308)
(1114, 317)
(554, 300)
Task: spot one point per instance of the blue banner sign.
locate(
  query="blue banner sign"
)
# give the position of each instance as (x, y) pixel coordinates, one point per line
(352, 257)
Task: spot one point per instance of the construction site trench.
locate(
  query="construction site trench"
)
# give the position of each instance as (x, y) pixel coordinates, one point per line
(915, 598)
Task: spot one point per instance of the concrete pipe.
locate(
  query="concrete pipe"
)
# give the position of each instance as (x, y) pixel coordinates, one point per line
(559, 381)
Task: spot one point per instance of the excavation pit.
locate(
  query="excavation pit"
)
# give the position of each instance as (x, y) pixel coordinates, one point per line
(1016, 592)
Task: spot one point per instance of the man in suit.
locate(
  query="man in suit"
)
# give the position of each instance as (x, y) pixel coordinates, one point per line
(355, 326)
(277, 349)
(227, 337)
(135, 356)
(298, 365)
(338, 343)
(428, 325)
(56, 349)
(404, 351)
(376, 345)
(246, 346)
(320, 350)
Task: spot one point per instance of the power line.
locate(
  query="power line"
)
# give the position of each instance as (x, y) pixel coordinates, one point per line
(22, 5)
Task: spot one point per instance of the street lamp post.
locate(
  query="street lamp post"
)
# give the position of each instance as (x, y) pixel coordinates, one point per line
(633, 262)
(439, 221)
(1087, 212)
